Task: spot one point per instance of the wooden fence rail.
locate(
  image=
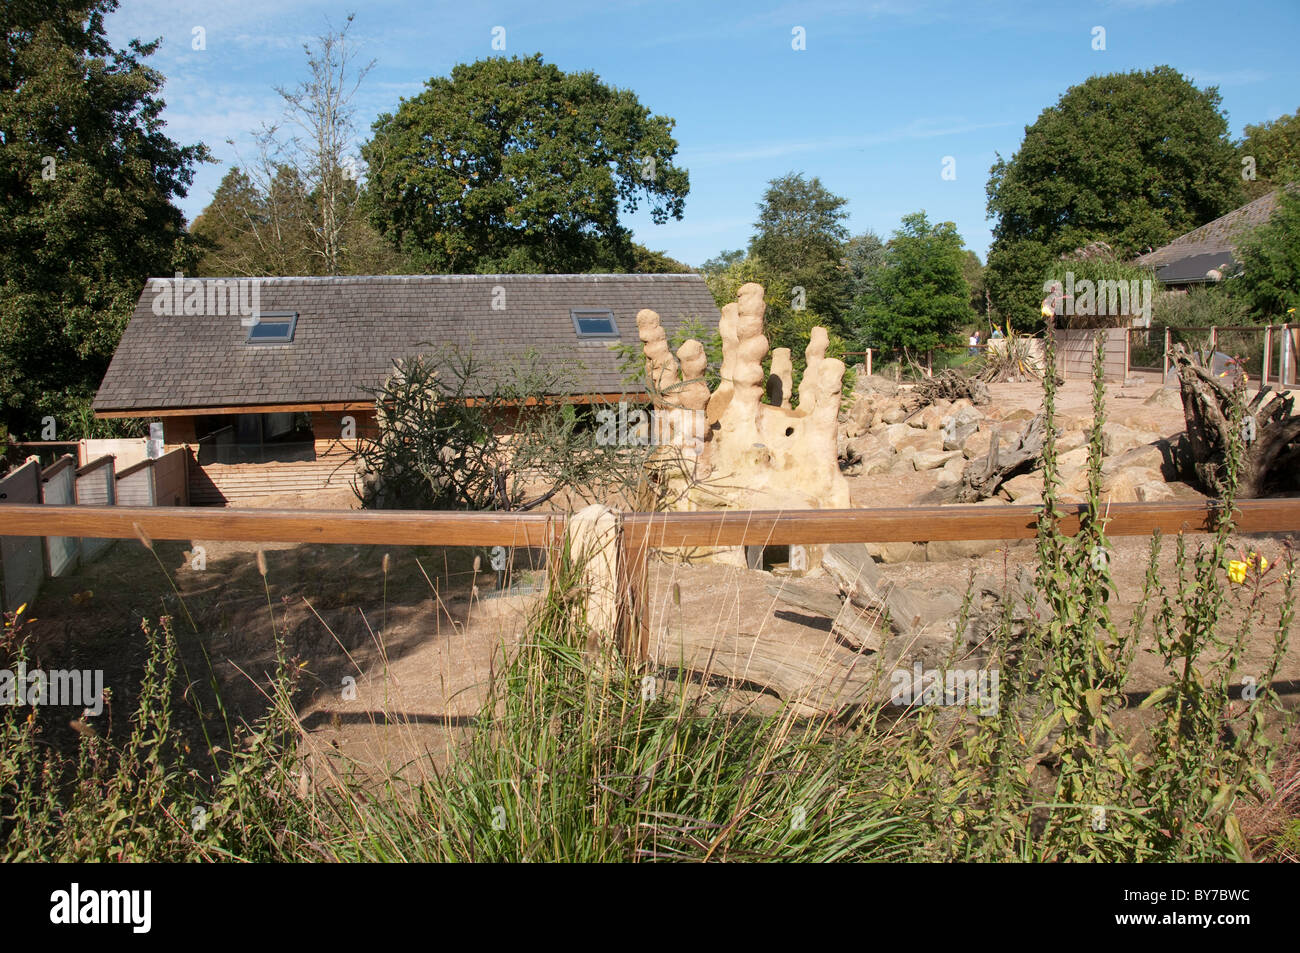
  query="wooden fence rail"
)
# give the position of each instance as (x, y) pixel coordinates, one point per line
(638, 532)
(705, 528)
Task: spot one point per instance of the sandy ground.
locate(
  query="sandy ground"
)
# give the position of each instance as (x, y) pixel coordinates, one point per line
(420, 643)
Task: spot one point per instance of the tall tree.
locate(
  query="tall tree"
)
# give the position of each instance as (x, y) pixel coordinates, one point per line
(295, 209)
(87, 182)
(1270, 152)
(1270, 276)
(1131, 159)
(864, 256)
(514, 165)
(321, 109)
(800, 234)
(921, 296)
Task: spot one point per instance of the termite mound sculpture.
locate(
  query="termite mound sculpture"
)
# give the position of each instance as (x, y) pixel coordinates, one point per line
(731, 451)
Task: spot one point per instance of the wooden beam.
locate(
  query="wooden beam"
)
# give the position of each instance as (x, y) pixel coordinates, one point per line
(641, 530)
(234, 409)
(925, 523)
(373, 527)
(340, 406)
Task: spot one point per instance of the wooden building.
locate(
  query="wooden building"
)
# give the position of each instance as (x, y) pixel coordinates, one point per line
(278, 404)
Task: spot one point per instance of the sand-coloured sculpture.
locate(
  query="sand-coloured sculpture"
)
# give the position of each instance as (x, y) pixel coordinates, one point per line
(730, 449)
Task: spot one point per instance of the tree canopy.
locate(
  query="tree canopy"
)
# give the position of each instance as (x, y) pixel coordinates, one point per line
(800, 234)
(87, 182)
(920, 296)
(513, 165)
(1270, 278)
(1131, 159)
(1271, 150)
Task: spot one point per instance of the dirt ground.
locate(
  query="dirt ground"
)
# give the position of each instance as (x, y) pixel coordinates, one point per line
(421, 640)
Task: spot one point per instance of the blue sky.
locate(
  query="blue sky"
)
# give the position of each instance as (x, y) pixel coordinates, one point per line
(882, 93)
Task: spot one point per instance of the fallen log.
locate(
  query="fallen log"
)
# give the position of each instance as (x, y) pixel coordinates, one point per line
(981, 479)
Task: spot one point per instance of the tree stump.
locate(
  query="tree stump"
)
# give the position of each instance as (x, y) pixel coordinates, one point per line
(1270, 432)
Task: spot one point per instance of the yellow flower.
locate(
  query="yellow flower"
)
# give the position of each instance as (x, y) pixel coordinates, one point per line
(1258, 561)
(1237, 571)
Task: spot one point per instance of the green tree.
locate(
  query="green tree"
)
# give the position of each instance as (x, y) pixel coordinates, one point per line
(722, 261)
(1270, 259)
(1273, 149)
(647, 262)
(87, 182)
(251, 230)
(1131, 159)
(512, 165)
(864, 256)
(921, 296)
(800, 235)
(972, 269)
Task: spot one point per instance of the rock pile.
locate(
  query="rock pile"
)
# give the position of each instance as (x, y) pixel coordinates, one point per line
(881, 431)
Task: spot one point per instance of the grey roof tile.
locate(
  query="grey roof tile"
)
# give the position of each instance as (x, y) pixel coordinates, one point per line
(351, 329)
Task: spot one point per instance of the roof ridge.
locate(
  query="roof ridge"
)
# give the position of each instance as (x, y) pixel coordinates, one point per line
(357, 279)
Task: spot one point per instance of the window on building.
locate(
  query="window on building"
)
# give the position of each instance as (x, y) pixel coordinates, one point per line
(273, 327)
(594, 322)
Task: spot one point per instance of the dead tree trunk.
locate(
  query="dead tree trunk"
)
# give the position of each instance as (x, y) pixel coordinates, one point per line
(981, 478)
(1270, 432)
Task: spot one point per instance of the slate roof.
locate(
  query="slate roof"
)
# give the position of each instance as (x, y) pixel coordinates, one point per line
(1188, 257)
(350, 330)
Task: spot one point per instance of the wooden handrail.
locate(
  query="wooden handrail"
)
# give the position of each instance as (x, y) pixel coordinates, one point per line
(653, 530)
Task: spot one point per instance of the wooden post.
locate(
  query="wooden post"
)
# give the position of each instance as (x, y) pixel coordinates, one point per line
(1164, 373)
(929, 363)
(1268, 356)
(1214, 341)
(868, 362)
(633, 610)
(1285, 375)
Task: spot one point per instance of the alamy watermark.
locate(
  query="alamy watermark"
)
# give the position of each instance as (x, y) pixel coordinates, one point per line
(213, 297)
(965, 687)
(633, 427)
(77, 688)
(1108, 297)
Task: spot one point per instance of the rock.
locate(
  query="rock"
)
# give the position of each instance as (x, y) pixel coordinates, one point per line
(878, 462)
(865, 446)
(977, 444)
(1148, 456)
(1017, 416)
(1024, 485)
(1117, 438)
(893, 414)
(895, 434)
(1123, 486)
(929, 417)
(920, 441)
(1071, 440)
(944, 550)
(897, 552)
(1165, 397)
(958, 426)
(901, 462)
(933, 459)
(950, 475)
(1154, 491)
(859, 417)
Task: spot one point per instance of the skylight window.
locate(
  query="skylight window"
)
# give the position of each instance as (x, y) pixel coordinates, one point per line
(594, 322)
(273, 327)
